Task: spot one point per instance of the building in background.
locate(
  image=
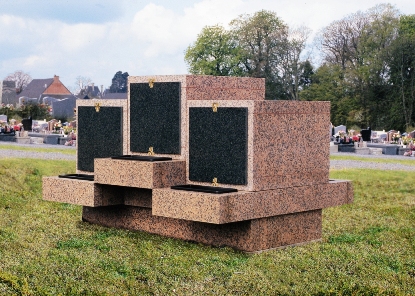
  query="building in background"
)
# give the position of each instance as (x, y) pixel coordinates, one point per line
(52, 92)
(8, 93)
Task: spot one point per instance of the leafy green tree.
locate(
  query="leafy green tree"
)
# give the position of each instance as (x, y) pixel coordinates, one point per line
(215, 52)
(358, 44)
(328, 84)
(256, 45)
(119, 83)
(402, 69)
(263, 39)
(306, 75)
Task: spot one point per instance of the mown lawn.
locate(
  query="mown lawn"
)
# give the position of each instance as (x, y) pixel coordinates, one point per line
(368, 247)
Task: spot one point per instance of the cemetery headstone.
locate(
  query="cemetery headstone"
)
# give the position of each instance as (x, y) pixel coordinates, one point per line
(366, 134)
(27, 123)
(339, 128)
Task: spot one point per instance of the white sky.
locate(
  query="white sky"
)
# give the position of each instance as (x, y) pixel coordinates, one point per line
(97, 38)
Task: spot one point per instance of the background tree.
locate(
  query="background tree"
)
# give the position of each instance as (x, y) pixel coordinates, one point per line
(358, 44)
(215, 52)
(263, 39)
(80, 83)
(256, 46)
(119, 83)
(401, 62)
(328, 84)
(291, 67)
(21, 79)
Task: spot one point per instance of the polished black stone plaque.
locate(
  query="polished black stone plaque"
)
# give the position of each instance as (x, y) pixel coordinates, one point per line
(142, 158)
(100, 134)
(206, 189)
(218, 145)
(78, 177)
(155, 117)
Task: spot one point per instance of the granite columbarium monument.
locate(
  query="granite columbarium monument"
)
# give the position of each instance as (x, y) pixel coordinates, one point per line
(205, 159)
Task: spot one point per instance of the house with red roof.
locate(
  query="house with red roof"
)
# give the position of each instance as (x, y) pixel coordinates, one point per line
(50, 91)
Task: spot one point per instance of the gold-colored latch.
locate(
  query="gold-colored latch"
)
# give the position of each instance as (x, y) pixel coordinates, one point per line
(150, 151)
(97, 106)
(215, 182)
(151, 82)
(215, 107)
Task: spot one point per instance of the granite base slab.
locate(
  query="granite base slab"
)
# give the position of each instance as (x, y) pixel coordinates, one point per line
(346, 148)
(139, 174)
(249, 236)
(375, 151)
(7, 137)
(22, 140)
(388, 149)
(244, 205)
(362, 150)
(80, 192)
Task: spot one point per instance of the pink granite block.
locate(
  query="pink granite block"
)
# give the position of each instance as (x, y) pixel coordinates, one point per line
(138, 197)
(224, 94)
(245, 205)
(140, 174)
(249, 236)
(287, 143)
(80, 192)
(202, 87)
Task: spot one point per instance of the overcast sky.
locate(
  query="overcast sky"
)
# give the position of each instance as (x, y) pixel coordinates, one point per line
(97, 38)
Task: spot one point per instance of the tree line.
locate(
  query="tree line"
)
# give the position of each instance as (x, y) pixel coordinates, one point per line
(366, 65)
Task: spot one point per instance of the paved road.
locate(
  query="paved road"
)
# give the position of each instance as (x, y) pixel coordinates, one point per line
(340, 164)
(334, 164)
(13, 153)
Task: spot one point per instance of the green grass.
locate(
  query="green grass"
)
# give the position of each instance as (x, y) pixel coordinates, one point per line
(39, 149)
(368, 247)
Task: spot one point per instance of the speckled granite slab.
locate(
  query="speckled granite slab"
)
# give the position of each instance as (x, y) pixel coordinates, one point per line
(244, 205)
(287, 143)
(249, 236)
(140, 174)
(80, 192)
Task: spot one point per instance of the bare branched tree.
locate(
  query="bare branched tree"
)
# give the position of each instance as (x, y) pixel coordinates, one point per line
(291, 66)
(80, 83)
(21, 79)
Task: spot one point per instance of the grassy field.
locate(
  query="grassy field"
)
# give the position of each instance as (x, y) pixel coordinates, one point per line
(368, 247)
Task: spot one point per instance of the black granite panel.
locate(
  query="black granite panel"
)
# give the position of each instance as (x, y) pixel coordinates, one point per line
(100, 134)
(218, 145)
(155, 117)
